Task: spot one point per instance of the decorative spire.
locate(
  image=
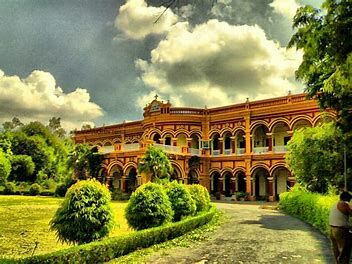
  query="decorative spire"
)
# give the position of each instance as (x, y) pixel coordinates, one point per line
(156, 97)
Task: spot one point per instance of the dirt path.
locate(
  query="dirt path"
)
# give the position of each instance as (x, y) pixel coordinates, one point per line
(254, 235)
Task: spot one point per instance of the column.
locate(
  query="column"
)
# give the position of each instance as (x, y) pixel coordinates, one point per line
(189, 142)
(270, 189)
(221, 185)
(124, 184)
(221, 145)
(270, 139)
(174, 142)
(233, 144)
(248, 135)
(233, 185)
(162, 141)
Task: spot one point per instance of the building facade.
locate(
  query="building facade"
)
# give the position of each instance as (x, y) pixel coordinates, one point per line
(236, 148)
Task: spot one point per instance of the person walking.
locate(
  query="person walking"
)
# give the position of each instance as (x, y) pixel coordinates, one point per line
(340, 235)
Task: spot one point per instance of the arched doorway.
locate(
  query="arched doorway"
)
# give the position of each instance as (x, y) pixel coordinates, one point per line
(260, 141)
(241, 181)
(176, 174)
(115, 178)
(215, 144)
(228, 184)
(281, 180)
(131, 180)
(260, 176)
(156, 138)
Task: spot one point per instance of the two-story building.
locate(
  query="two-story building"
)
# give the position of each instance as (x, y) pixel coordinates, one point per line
(240, 148)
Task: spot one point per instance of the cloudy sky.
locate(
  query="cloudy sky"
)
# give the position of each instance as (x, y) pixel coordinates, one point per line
(101, 61)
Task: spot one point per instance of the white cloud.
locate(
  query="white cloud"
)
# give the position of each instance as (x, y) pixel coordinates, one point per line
(287, 8)
(37, 97)
(137, 20)
(216, 64)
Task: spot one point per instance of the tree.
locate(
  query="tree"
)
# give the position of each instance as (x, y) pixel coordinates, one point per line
(85, 215)
(315, 157)
(5, 167)
(86, 161)
(55, 127)
(156, 163)
(326, 40)
(22, 168)
(12, 125)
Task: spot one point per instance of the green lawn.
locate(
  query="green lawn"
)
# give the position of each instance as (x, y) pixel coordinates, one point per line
(25, 220)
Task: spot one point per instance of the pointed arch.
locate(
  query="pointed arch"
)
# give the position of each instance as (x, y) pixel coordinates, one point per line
(129, 165)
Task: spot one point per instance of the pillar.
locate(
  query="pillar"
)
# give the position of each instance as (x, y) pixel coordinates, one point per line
(233, 144)
(270, 139)
(174, 142)
(233, 185)
(189, 142)
(221, 185)
(271, 188)
(248, 135)
(221, 145)
(292, 181)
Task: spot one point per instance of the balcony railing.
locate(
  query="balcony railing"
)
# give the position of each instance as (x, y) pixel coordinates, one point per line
(194, 152)
(240, 151)
(227, 152)
(170, 149)
(130, 147)
(106, 149)
(280, 149)
(216, 152)
(260, 150)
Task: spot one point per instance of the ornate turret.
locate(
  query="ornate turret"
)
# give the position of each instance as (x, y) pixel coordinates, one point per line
(156, 107)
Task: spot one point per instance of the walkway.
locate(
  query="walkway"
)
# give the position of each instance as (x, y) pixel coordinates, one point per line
(254, 235)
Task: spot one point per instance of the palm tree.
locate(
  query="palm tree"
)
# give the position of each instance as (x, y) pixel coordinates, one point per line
(155, 163)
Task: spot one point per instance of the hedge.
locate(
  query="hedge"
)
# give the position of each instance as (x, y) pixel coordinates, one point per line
(312, 208)
(110, 248)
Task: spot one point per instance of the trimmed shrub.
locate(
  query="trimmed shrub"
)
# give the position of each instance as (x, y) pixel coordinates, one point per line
(181, 200)
(110, 248)
(200, 196)
(85, 215)
(34, 189)
(9, 188)
(148, 207)
(313, 208)
(5, 167)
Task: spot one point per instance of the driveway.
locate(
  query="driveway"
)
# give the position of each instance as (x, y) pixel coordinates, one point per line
(254, 235)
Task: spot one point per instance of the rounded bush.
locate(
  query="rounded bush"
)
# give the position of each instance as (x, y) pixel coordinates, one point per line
(148, 207)
(200, 195)
(34, 189)
(181, 200)
(85, 215)
(9, 188)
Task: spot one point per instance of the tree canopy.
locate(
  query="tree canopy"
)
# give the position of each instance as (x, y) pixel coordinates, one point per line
(315, 157)
(325, 36)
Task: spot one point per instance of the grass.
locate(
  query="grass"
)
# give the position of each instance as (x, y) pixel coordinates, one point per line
(24, 221)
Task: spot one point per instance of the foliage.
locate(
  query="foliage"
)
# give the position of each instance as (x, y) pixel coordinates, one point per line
(155, 162)
(326, 39)
(55, 127)
(325, 36)
(315, 157)
(12, 125)
(200, 196)
(24, 221)
(22, 168)
(311, 207)
(9, 188)
(107, 249)
(86, 161)
(34, 189)
(181, 200)
(148, 207)
(119, 195)
(85, 214)
(5, 167)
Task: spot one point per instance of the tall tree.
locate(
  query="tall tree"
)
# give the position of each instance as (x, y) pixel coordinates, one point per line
(325, 36)
(12, 125)
(55, 127)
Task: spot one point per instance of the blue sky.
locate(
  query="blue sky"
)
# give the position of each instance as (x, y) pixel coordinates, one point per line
(101, 61)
